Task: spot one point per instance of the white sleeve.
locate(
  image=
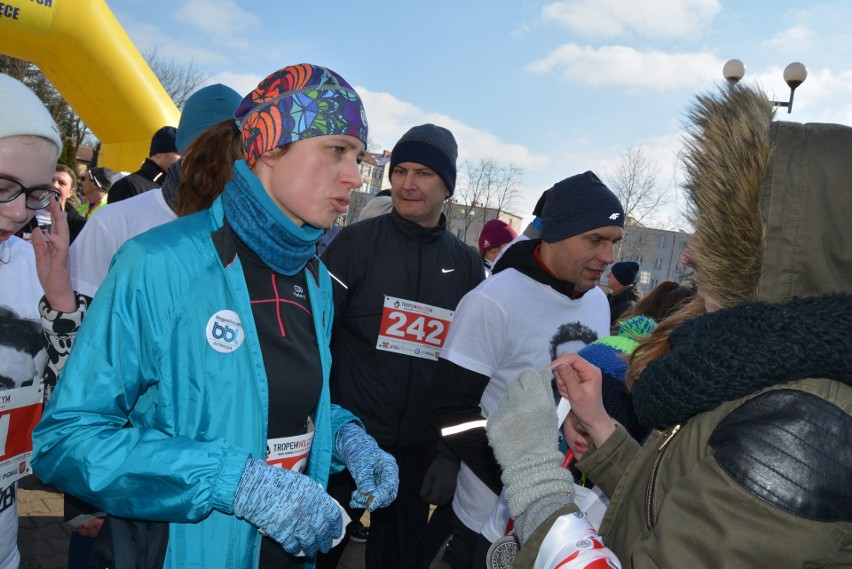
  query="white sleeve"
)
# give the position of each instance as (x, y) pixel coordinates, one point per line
(91, 255)
(478, 335)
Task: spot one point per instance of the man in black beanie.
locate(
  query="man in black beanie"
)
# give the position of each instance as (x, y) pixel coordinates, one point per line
(624, 293)
(541, 297)
(398, 278)
(162, 154)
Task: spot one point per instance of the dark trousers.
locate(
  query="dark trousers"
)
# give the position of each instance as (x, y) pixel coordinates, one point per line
(395, 529)
(433, 538)
(468, 549)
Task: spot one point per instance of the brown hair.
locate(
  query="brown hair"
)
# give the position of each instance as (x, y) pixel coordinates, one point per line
(661, 302)
(206, 167)
(70, 172)
(657, 344)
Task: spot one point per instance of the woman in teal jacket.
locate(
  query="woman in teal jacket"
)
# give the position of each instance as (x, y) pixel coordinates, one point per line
(202, 365)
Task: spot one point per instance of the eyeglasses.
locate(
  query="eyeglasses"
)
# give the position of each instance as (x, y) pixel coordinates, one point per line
(37, 197)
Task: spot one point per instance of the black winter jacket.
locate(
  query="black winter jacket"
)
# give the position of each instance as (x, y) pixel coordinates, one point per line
(389, 255)
(148, 177)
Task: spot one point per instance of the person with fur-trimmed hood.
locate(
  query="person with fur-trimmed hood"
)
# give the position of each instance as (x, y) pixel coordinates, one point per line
(749, 385)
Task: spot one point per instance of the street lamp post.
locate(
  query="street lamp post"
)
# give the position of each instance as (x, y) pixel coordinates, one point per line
(794, 75)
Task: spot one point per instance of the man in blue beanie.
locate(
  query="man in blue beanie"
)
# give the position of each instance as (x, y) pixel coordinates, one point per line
(398, 277)
(624, 291)
(162, 154)
(541, 300)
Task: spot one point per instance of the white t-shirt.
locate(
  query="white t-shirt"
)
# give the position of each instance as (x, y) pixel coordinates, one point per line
(508, 324)
(107, 230)
(19, 294)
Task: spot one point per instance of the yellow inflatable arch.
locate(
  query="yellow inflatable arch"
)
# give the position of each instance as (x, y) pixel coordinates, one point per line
(86, 54)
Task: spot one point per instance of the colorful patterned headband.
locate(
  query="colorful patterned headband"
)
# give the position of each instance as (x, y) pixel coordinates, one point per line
(299, 101)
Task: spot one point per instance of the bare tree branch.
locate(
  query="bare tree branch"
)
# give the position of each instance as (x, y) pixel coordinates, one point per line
(634, 181)
(179, 81)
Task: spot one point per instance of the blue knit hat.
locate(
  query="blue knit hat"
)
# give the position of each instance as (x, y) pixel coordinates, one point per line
(579, 204)
(202, 110)
(432, 146)
(605, 354)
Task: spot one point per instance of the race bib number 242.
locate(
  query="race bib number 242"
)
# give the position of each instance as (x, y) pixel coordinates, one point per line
(413, 328)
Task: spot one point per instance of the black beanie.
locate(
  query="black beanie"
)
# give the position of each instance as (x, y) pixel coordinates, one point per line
(163, 141)
(432, 146)
(579, 204)
(626, 272)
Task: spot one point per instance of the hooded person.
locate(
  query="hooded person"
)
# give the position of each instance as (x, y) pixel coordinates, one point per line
(197, 394)
(748, 387)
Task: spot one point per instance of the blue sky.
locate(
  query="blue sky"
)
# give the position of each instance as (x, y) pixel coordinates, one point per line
(553, 87)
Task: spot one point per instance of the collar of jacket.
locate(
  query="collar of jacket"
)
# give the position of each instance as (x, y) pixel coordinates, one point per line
(151, 171)
(417, 232)
(734, 352)
(522, 257)
(627, 292)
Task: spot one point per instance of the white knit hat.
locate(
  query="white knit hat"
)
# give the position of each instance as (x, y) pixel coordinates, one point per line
(23, 114)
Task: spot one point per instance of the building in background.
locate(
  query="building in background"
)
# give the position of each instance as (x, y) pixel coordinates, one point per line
(374, 174)
(464, 221)
(658, 253)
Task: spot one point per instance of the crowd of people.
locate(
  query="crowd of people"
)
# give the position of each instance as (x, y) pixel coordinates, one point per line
(226, 383)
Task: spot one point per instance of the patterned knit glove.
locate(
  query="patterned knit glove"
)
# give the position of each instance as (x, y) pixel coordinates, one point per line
(289, 507)
(523, 433)
(375, 471)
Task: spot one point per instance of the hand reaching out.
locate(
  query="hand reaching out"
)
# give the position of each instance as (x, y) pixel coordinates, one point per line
(579, 382)
(51, 252)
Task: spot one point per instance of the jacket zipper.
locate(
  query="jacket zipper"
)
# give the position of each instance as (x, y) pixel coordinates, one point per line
(650, 518)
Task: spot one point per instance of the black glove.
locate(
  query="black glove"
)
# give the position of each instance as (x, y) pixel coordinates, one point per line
(439, 483)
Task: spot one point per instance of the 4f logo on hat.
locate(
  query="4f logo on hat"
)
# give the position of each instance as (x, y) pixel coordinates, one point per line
(614, 216)
(225, 331)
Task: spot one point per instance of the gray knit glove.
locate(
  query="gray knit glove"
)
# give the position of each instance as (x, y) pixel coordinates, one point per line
(523, 434)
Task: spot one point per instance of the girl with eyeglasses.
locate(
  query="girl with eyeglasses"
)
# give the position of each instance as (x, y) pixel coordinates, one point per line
(29, 148)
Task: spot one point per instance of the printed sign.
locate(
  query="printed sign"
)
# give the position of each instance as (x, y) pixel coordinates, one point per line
(32, 15)
(20, 411)
(413, 328)
(291, 453)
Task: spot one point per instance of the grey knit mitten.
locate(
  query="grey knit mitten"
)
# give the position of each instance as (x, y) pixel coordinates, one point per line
(523, 434)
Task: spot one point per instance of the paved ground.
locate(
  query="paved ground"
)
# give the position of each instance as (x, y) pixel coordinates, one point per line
(43, 539)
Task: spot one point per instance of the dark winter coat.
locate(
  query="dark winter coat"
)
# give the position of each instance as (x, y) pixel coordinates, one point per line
(389, 255)
(148, 177)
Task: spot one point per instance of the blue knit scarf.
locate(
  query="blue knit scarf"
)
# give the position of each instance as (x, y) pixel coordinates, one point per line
(255, 218)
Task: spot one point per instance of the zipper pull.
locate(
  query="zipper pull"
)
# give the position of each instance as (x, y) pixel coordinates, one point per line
(668, 438)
